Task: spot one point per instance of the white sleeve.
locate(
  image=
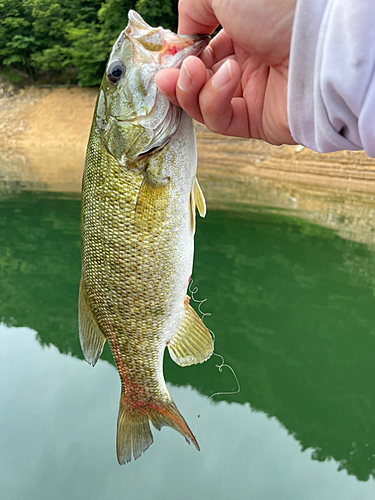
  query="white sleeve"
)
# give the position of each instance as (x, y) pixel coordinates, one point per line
(331, 89)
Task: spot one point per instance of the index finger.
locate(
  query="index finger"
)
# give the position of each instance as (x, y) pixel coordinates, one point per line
(196, 17)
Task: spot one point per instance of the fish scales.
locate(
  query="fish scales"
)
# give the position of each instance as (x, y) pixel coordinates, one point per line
(125, 285)
(139, 195)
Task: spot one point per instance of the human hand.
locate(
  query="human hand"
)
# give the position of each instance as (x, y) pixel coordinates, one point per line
(239, 84)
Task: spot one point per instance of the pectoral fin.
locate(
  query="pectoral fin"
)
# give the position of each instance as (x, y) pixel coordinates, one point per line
(196, 201)
(151, 203)
(91, 337)
(192, 343)
(198, 198)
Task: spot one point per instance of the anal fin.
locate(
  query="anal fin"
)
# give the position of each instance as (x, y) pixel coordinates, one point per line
(192, 343)
(91, 337)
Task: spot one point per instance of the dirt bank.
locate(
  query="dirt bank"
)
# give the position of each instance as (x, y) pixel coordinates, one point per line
(43, 136)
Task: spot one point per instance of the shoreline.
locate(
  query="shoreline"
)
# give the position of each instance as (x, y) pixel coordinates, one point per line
(44, 132)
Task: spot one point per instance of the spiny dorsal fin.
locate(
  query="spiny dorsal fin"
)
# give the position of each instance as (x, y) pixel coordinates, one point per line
(192, 343)
(199, 198)
(91, 337)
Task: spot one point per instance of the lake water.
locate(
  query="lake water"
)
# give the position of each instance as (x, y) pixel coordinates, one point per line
(292, 309)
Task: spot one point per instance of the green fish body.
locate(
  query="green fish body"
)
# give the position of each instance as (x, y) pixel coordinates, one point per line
(138, 220)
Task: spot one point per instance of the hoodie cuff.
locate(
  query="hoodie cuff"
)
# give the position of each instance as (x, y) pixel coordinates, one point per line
(331, 75)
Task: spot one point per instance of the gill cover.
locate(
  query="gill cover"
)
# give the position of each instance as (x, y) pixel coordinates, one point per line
(132, 116)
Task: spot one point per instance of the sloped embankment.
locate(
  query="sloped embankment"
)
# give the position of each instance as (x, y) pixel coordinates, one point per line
(43, 136)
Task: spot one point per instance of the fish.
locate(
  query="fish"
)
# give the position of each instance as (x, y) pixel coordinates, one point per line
(139, 201)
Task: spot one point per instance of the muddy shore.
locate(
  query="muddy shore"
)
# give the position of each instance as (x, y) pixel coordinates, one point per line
(44, 132)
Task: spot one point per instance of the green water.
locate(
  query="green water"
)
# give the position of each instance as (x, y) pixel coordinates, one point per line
(293, 313)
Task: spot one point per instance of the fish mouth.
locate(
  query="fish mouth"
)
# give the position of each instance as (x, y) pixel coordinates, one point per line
(166, 48)
(179, 47)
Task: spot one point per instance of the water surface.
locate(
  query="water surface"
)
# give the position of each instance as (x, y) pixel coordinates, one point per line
(293, 313)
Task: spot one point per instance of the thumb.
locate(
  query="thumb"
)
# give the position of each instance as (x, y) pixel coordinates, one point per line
(196, 17)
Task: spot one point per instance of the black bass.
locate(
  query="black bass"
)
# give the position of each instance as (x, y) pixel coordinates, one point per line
(139, 198)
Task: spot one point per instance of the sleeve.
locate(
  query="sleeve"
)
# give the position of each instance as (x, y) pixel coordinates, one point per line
(331, 89)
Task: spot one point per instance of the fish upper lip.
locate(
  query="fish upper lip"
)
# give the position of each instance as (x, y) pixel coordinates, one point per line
(200, 42)
(197, 38)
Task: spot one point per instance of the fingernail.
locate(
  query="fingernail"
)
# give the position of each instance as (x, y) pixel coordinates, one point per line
(185, 80)
(222, 76)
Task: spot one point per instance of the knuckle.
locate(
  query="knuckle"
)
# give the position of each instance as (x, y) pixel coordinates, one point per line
(214, 120)
(216, 129)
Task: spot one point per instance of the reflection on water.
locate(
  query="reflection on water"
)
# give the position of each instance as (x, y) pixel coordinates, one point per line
(292, 309)
(58, 435)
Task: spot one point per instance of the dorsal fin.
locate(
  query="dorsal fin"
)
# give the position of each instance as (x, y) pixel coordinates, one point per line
(192, 343)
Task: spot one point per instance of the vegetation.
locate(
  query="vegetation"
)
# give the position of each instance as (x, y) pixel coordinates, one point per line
(69, 40)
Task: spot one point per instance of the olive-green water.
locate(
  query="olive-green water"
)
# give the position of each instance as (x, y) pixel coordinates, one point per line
(293, 313)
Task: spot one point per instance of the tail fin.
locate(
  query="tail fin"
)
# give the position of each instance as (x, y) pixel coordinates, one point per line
(133, 433)
(168, 414)
(133, 428)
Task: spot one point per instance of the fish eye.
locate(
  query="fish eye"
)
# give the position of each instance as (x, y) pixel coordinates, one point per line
(115, 71)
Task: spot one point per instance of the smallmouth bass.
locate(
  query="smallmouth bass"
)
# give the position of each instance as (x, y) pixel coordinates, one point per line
(139, 198)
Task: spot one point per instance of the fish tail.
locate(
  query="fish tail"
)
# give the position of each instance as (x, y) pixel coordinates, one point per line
(133, 428)
(166, 413)
(133, 433)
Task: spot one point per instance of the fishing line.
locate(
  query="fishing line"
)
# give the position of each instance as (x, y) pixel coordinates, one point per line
(220, 367)
(193, 291)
